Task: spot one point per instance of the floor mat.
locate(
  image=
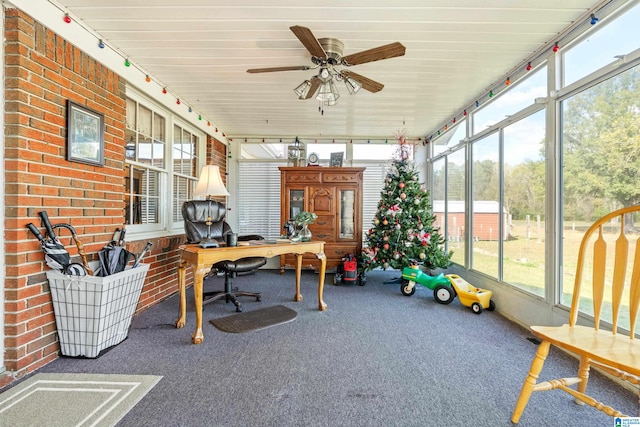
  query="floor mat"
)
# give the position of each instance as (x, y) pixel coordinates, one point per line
(73, 399)
(255, 320)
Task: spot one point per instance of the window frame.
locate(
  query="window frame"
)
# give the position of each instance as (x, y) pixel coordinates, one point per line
(165, 224)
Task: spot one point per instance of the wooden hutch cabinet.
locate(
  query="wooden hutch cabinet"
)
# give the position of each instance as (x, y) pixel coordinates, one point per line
(335, 195)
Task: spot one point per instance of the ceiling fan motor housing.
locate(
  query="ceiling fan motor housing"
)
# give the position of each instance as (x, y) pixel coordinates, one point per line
(333, 48)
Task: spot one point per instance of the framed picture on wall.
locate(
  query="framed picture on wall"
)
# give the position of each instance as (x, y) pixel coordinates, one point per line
(85, 135)
(336, 159)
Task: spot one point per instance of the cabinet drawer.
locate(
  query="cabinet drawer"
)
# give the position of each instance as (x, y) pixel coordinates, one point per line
(340, 178)
(339, 251)
(305, 178)
(324, 228)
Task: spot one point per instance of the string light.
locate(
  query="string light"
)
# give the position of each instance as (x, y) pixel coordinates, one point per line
(490, 94)
(190, 109)
(464, 113)
(446, 127)
(178, 101)
(208, 123)
(508, 82)
(100, 44)
(127, 63)
(164, 90)
(67, 18)
(147, 78)
(594, 20)
(454, 120)
(556, 47)
(529, 67)
(477, 104)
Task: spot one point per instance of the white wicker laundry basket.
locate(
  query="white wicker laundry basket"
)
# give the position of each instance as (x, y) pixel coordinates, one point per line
(93, 313)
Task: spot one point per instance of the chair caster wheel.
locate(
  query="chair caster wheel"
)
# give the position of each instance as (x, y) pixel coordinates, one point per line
(258, 299)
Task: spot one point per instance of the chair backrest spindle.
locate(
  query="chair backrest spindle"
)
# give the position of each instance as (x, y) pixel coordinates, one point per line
(607, 306)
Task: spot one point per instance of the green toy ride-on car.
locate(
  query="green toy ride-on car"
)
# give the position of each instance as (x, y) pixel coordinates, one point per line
(446, 287)
(443, 292)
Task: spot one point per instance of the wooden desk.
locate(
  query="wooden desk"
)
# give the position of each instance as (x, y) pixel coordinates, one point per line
(201, 261)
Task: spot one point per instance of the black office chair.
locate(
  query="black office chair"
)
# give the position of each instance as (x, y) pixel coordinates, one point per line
(196, 214)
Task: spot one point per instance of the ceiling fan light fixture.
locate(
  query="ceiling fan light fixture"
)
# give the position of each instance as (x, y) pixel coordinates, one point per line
(353, 86)
(328, 93)
(303, 89)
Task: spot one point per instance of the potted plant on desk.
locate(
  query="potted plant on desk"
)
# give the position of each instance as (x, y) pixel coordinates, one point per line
(302, 220)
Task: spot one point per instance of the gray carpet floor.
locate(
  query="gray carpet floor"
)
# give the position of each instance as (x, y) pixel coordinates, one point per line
(374, 358)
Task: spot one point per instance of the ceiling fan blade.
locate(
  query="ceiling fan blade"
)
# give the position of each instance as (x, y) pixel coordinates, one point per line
(270, 70)
(367, 84)
(309, 41)
(315, 84)
(387, 51)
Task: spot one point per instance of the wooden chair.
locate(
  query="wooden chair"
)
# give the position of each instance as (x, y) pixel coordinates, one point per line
(602, 345)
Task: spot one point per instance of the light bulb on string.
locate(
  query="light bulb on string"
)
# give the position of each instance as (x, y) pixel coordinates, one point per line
(164, 90)
(190, 109)
(490, 94)
(507, 82)
(178, 101)
(127, 63)
(147, 78)
(529, 67)
(67, 18)
(477, 104)
(208, 123)
(556, 47)
(454, 120)
(100, 44)
(594, 20)
(199, 117)
(464, 113)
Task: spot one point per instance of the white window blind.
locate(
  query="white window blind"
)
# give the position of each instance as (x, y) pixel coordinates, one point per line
(259, 198)
(373, 183)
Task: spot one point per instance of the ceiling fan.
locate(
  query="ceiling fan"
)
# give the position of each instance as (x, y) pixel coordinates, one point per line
(326, 55)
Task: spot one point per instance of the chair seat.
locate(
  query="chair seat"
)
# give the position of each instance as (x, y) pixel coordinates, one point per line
(618, 351)
(241, 265)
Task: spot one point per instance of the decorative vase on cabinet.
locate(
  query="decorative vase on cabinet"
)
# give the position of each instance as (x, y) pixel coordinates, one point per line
(334, 194)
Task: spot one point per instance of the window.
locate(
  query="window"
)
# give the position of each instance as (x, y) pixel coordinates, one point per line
(450, 139)
(259, 198)
(602, 46)
(161, 166)
(516, 98)
(486, 212)
(185, 168)
(456, 208)
(524, 255)
(601, 159)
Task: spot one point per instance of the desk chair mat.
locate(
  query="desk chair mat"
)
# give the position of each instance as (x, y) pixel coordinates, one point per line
(255, 320)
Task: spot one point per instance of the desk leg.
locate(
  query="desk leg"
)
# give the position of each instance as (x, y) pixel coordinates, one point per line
(198, 275)
(182, 320)
(298, 296)
(323, 266)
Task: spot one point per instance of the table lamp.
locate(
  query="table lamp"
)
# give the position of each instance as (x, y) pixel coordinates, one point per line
(210, 184)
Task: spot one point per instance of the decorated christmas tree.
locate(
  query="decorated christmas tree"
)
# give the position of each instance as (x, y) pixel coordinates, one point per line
(403, 228)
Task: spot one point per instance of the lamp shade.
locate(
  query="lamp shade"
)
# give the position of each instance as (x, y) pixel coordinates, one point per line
(210, 183)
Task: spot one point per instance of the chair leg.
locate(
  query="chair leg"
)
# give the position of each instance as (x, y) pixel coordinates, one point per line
(583, 374)
(530, 381)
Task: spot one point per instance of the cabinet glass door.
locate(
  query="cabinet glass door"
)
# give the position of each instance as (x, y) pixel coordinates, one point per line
(296, 203)
(347, 214)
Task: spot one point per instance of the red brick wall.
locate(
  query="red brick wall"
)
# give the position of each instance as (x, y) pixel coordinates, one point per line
(42, 71)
